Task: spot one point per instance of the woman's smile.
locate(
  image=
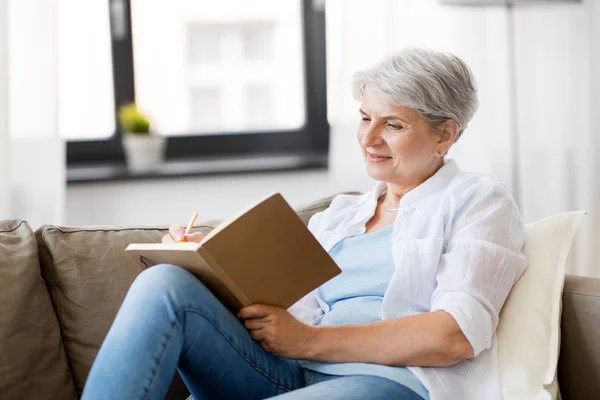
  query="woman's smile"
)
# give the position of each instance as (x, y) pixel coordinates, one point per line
(376, 158)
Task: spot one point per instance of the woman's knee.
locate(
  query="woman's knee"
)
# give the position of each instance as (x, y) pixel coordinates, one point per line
(162, 273)
(161, 279)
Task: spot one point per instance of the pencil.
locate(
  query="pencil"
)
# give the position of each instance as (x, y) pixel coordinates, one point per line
(190, 225)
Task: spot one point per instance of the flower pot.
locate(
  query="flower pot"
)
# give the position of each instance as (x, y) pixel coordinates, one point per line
(143, 152)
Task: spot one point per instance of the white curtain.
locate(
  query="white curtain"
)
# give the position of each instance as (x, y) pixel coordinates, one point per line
(555, 57)
(32, 153)
(559, 167)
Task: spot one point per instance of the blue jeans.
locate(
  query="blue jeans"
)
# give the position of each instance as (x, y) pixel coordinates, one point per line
(169, 321)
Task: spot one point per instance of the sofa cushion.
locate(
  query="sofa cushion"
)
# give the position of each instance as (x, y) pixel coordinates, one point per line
(308, 210)
(529, 327)
(88, 274)
(33, 364)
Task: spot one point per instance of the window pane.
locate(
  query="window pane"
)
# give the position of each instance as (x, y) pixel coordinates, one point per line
(206, 108)
(85, 83)
(258, 102)
(206, 67)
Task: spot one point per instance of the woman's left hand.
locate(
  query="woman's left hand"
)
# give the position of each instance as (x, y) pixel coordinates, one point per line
(278, 331)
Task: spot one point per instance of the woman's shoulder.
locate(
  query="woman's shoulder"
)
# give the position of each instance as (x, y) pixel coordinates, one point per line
(345, 202)
(341, 205)
(481, 197)
(348, 200)
(482, 207)
(471, 186)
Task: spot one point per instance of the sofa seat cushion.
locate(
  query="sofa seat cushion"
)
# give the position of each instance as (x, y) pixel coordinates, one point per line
(33, 364)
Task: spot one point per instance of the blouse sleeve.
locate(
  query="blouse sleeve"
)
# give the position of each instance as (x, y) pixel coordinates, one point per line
(307, 309)
(482, 261)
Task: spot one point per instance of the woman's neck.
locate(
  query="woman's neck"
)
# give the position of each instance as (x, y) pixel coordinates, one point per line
(396, 190)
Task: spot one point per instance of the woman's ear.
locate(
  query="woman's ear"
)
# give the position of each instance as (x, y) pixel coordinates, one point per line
(448, 132)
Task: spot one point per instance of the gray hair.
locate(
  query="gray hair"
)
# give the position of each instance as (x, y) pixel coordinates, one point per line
(439, 86)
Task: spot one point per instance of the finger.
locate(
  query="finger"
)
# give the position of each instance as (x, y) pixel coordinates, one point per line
(194, 237)
(267, 346)
(167, 239)
(255, 323)
(254, 311)
(176, 232)
(259, 335)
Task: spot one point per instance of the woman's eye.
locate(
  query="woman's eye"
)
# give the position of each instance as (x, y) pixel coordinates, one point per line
(394, 127)
(365, 119)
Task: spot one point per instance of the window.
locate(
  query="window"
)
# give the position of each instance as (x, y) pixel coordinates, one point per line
(227, 79)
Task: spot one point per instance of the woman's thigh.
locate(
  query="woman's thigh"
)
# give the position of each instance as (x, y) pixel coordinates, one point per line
(351, 387)
(219, 359)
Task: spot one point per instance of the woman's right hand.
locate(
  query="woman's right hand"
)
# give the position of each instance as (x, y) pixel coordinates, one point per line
(177, 234)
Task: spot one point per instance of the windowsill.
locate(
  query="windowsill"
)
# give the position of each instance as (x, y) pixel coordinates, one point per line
(111, 172)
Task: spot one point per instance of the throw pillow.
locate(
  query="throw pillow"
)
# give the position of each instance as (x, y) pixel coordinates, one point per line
(529, 327)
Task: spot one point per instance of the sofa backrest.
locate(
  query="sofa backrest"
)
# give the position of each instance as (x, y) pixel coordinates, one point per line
(33, 364)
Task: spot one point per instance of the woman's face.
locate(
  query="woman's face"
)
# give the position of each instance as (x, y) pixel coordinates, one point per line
(397, 143)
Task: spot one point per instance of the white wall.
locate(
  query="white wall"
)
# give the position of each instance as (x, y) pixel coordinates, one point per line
(37, 156)
(558, 131)
(33, 63)
(592, 241)
(4, 143)
(172, 201)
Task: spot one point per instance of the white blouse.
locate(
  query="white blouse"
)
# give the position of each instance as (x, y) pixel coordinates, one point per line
(457, 246)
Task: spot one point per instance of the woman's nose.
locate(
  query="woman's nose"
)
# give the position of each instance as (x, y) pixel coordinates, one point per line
(370, 136)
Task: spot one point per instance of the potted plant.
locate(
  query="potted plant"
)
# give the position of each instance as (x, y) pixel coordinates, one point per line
(143, 149)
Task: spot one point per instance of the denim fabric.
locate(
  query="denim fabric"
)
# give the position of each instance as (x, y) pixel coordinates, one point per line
(169, 321)
(333, 387)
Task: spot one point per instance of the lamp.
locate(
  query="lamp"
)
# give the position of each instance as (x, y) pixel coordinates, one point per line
(509, 5)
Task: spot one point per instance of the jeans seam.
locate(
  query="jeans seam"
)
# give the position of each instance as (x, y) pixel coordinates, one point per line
(195, 311)
(162, 357)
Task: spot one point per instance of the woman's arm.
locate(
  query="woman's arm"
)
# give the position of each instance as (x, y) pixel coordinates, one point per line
(432, 339)
(429, 339)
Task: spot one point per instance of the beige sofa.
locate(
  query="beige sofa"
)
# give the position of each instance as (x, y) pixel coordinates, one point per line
(61, 287)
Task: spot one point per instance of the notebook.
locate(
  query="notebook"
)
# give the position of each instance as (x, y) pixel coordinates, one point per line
(263, 255)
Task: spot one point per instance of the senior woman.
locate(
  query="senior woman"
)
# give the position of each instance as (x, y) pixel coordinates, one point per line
(428, 258)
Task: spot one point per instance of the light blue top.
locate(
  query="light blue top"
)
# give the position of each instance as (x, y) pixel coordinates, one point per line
(356, 295)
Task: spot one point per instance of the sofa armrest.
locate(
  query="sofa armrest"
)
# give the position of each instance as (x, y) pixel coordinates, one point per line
(579, 363)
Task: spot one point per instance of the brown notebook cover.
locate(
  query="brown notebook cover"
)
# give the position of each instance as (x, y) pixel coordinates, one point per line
(264, 255)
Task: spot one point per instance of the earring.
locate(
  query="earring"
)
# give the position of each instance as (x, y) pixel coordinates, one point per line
(439, 153)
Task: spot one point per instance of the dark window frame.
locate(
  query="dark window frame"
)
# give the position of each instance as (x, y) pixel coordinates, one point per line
(311, 140)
